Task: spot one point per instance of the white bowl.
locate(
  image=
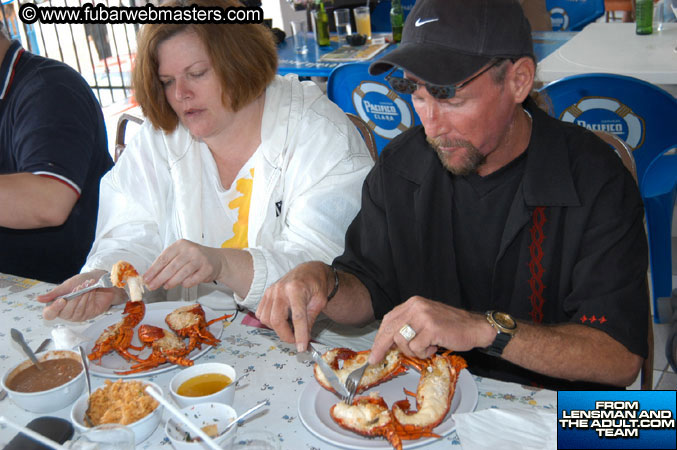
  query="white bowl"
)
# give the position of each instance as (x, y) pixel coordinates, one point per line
(202, 414)
(52, 399)
(225, 395)
(142, 428)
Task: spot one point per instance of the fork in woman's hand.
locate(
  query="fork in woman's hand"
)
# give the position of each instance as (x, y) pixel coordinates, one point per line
(104, 282)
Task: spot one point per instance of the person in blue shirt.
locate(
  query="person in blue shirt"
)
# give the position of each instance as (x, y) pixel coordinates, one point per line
(53, 152)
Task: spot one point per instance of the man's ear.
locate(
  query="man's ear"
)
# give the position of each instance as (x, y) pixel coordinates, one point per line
(521, 78)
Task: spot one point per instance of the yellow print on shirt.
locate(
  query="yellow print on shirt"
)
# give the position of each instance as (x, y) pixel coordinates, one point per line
(240, 228)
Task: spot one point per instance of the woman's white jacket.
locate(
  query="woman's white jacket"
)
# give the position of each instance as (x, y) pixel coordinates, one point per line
(305, 193)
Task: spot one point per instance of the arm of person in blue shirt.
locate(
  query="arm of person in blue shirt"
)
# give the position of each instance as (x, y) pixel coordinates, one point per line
(29, 201)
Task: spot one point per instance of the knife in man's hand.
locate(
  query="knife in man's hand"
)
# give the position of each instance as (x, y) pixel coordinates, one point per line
(329, 374)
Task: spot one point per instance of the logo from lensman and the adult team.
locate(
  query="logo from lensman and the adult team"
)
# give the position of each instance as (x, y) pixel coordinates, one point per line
(616, 419)
(559, 19)
(385, 111)
(607, 114)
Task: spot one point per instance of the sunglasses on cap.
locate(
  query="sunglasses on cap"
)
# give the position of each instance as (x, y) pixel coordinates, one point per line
(406, 86)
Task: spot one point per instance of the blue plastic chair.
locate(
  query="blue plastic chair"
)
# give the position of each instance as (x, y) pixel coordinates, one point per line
(659, 190)
(369, 97)
(644, 116)
(573, 15)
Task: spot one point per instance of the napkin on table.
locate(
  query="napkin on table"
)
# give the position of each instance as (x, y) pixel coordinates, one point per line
(507, 429)
(67, 338)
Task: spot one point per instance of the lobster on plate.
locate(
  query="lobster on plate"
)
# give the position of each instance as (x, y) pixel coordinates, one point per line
(189, 321)
(370, 416)
(344, 360)
(118, 337)
(434, 393)
(166, 347)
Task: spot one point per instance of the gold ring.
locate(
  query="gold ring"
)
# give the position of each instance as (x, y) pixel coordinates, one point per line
(407, 332)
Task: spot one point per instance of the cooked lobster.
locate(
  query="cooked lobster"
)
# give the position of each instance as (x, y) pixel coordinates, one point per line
(118, 337)
(344, 360)
(435, 391)
(370, 416)
(124, 274)
(166, 346)
(189, 321)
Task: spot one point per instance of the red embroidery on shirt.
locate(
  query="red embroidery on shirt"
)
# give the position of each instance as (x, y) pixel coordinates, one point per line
(593, 319)
(535, 267)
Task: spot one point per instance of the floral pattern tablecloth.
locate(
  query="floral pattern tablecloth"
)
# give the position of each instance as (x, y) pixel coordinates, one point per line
(275, 373)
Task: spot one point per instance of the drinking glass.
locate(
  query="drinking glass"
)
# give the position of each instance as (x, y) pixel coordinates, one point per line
(659, 14)
(256, 440)
(342, 19)
(673, 5)
(363, 20)
(109, 436)
(300, 36)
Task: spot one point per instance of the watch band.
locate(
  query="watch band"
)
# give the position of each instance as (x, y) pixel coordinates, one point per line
(336, 284)
(504, 332)
(496, 347)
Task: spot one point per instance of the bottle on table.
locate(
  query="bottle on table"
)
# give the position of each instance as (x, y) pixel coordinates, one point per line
(643, 16)
(321, 25)
(396, 20)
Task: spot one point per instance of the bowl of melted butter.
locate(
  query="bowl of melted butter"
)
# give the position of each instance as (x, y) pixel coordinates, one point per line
(208, 382)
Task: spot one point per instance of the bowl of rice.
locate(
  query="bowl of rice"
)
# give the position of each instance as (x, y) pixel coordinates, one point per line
(122, 402)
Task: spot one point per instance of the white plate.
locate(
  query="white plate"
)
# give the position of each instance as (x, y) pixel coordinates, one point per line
(315, 402)
(155, 315)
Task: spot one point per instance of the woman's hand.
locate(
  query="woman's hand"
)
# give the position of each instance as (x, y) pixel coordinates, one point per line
(86, 306)
(184, 263)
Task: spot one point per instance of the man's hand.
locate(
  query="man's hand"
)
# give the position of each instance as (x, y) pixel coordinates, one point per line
(301, 294)
(184, 263)
(84, 307)
(436, 325)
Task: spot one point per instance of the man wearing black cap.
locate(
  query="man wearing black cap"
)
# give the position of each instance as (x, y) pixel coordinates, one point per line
(493, 229)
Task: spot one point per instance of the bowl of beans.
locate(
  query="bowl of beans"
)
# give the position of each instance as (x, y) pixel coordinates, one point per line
(58, 384)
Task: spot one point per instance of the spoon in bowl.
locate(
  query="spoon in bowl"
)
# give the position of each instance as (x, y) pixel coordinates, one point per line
(85, 366)
(19, 339)
(237, 381)
(42, 347)
(245, 414)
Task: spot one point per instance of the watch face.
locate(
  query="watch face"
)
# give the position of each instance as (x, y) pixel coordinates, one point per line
(504, 320)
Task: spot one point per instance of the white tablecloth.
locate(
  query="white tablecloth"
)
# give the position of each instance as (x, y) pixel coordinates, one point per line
(275, 373)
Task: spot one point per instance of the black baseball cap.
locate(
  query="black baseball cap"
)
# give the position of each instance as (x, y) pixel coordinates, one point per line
(447, 41)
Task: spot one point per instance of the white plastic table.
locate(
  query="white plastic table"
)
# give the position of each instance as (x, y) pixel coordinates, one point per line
(615, 48)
